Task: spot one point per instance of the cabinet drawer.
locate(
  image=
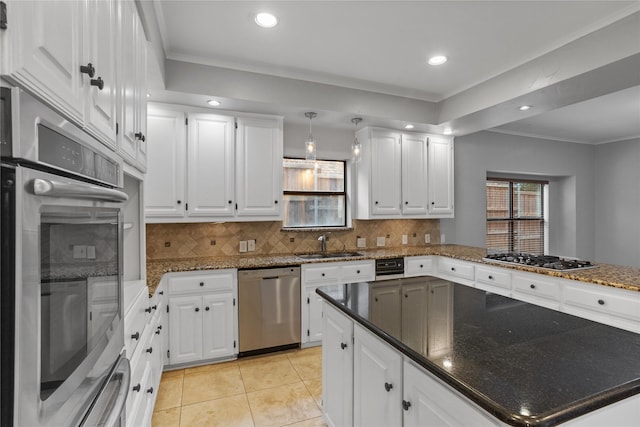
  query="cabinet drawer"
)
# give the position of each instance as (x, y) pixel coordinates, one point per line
(135, 321)
(493, 277)
(321, 274)
(456, 268)
(532, 285)
(189, 283)
(419, 266)
(358, 272)
(609, 301)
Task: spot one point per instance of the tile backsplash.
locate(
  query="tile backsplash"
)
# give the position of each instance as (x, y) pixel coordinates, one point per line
(176, 241)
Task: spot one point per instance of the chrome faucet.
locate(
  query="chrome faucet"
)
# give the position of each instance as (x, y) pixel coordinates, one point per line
(323, 242)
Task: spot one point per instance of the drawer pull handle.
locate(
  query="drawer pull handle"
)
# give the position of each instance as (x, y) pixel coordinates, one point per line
(490, 277)
(197, 309)
(421, 266)
(147, 310)
(453, 269)
(532, 286)
(99, 83)
(388, 386)
(343, 345)
(135, 336)
(149, 350)
(322, 274)
(206, 309)
(150, 390)
(88, 69)
(601, 301)
(161, 292)
(358, 272)
(155, 306)
(158, 332)
(201, 283)
(136, 387)
(406, 405)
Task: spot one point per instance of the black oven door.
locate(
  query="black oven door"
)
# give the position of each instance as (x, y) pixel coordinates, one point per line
(69, 318)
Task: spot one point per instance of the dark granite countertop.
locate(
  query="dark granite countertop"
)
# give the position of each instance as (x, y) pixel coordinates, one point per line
(524, 364)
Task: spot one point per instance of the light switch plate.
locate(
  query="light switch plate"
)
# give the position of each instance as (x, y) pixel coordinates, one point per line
(405, 239)
(251, 245)
(243, 246)
(442, 239)
(361, 242)
(79, 251)
(427, 238)
(91, 252)
(380, 241)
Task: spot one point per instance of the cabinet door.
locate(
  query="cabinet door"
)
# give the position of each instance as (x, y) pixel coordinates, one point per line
(414, 314)
(440, 318)
(385, 173)
(337, 368)
(127, 141)
(100, 33)
(218, 331)
(140, 97)
(259, 167)
(164, 183)
(313, 329)
(45, 45)
(377, 381)
(210, 166)
(385, 306)
(185, 329)
(440, 175)
(414, 174)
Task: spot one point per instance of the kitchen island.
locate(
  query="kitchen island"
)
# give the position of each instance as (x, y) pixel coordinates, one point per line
(411, 351)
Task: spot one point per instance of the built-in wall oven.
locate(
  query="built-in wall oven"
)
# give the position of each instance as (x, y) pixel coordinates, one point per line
(62, 332)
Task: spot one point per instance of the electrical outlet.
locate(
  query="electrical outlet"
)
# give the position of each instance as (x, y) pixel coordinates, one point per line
(427, 238)
(79, 251)
(442, 240)
(251, 245)
(380, 241)
(405, 239)
(361, 242)
(91, 252)
(243, 246)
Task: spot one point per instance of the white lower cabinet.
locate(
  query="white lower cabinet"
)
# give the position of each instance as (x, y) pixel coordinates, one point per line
(429, 403)
(202, 316)
(377, 381)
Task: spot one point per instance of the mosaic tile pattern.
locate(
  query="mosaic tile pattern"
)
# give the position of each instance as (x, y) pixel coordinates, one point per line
(179, 241)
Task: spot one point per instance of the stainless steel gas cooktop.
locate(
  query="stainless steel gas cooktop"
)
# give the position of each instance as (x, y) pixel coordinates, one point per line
(549, 262)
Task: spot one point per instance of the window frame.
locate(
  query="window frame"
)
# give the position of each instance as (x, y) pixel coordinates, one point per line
(511, 219)
(342, 193)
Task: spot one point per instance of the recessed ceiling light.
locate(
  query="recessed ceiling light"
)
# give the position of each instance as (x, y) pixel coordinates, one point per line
(266, 20)
(524, 107)
(437, 60)
(448, 131)
(409, 126)
(214, 103)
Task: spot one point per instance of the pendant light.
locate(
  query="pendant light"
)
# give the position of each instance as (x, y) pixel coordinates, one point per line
(356, 147)
(310, 144)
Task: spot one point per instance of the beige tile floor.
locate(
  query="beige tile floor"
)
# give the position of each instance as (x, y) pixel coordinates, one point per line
(284, 389)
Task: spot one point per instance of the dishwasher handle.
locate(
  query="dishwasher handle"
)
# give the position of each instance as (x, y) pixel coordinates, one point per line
(271, 278)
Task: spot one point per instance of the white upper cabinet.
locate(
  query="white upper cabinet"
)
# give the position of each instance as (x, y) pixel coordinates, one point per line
(404, 175)
(441, 176)
(210, 160)
(71, 55)
(259, 167)
(228, 169)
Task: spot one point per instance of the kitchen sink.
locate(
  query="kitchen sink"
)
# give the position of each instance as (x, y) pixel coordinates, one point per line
(329, 255)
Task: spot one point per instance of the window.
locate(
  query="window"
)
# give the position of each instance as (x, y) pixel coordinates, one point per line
(515, 215)
(314, 193)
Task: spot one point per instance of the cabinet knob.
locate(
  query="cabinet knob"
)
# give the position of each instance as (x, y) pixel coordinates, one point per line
(140, 136)
(99, 83)
(406, 295)
(157, 331)
(532, 286)
(343, 345)
(206, 309)
(154, 307)
(490, 277)
(601, 301)
(406, 405)
(197, 309)
(376, 299)
(230, 202)
(161, 292)
(150, 390)
(421, 266)
(149, 350)
(88, 69)
(136, 387)
(357, 271)
(135, 336)
(275, 201)
(388, 386)
(201, 283)
(453, 269)
(322, 274)
(406, 203)
(433, 203)
(160, 327)
(147, 310)
(179, 202)
(376, 202)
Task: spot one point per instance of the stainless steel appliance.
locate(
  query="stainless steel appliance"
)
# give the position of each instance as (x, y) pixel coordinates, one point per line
(62, 332)
(389, 268)
(268, 309)
(547, 262)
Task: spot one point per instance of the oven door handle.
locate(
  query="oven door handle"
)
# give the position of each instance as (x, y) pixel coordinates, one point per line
(124, 370)
(46, 187)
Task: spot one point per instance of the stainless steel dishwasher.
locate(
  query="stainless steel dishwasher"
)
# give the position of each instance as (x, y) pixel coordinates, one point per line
(268, 309)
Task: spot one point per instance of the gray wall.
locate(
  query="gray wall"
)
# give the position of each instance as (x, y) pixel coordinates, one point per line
(331, 143)
(617, 207)
(568, 166)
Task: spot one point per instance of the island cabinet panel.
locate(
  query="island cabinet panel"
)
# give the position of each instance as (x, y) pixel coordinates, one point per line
(429, 403)
(337, 368)
(377, 381)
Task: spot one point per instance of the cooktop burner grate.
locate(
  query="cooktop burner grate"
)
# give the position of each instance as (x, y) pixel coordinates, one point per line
(549, 262)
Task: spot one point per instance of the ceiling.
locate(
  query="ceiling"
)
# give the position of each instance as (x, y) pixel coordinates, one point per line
(383, 46)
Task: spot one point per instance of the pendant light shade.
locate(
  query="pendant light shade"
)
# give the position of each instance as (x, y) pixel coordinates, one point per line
(310, 144)
(356, 147)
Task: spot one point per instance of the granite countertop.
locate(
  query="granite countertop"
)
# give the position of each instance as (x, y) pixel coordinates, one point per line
(606, 274)
(524, 364)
